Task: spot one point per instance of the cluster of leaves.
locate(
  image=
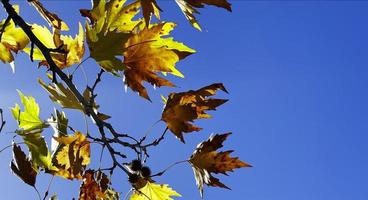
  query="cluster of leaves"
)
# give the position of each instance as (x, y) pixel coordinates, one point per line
(127, 47)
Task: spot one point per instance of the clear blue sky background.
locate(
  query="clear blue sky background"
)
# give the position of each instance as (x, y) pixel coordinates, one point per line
(297, 76)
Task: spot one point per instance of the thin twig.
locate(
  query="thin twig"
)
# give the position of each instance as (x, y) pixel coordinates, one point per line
(48, 188)
(38, 193)
(169, 167)
(3, 122)
(80, 65)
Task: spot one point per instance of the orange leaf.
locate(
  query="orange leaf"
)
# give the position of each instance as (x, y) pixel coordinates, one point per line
(206, 160)
(182, 108)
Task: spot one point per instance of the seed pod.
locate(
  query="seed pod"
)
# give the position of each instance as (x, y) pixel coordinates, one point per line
(133, 178)
(135, 165)
(146, 172)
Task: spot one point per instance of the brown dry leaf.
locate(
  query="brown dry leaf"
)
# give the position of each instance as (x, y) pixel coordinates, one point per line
(148, 52)
(206, 160)
(183, 108)
(189, 8)
(96, 186)
(73, 156)
(22, 166)
(150, 7)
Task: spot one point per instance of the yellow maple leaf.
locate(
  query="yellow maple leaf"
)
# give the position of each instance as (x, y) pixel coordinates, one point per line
(73, 155)
(73, 47)
(149, 51)
(13, 39)
(153, 191)
(112, 23)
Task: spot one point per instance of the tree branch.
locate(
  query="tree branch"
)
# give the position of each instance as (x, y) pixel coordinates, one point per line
(57, 71)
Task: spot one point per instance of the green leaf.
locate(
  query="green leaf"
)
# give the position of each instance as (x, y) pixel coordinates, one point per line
(29, 118)
(31, 128)
(40, 154)
(112, 24)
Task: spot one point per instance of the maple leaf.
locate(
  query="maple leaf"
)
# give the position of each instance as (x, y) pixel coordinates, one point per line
(189, 8)
(95, 186)
(62, 95)
(13, 39)
(111, 27)
(153, 191)
(150, 7)
(22, 166)
(183, 108)
(31, 128)
(206, 160)
(66, 98)
(28, 119)
(51, 18)
(73, 155)
(73, 47)
(40, 154)
(148, 52)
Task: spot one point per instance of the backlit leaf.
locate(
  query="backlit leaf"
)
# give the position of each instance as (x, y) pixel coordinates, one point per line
(149, 8)
(51, 18)
(189, 8)
(96, 186)
(153, 191)
(73, 156)
(185, 107)
(31, 128)
(149, 52)
(12, 40)
(29, 118)
(112, 23)
(62, 95)
(206, 160)
(73, 47)
(37, 146)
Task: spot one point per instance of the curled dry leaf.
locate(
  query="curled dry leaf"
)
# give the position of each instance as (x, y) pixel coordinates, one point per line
(206, 160)
(149, 52)
(22, 166)
(189, 8)
(150, 7)
(50, 17)
(96, 186)
(184, 107)
(73, 155)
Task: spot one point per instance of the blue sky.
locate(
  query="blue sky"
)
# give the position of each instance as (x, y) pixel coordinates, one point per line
(297, 76)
